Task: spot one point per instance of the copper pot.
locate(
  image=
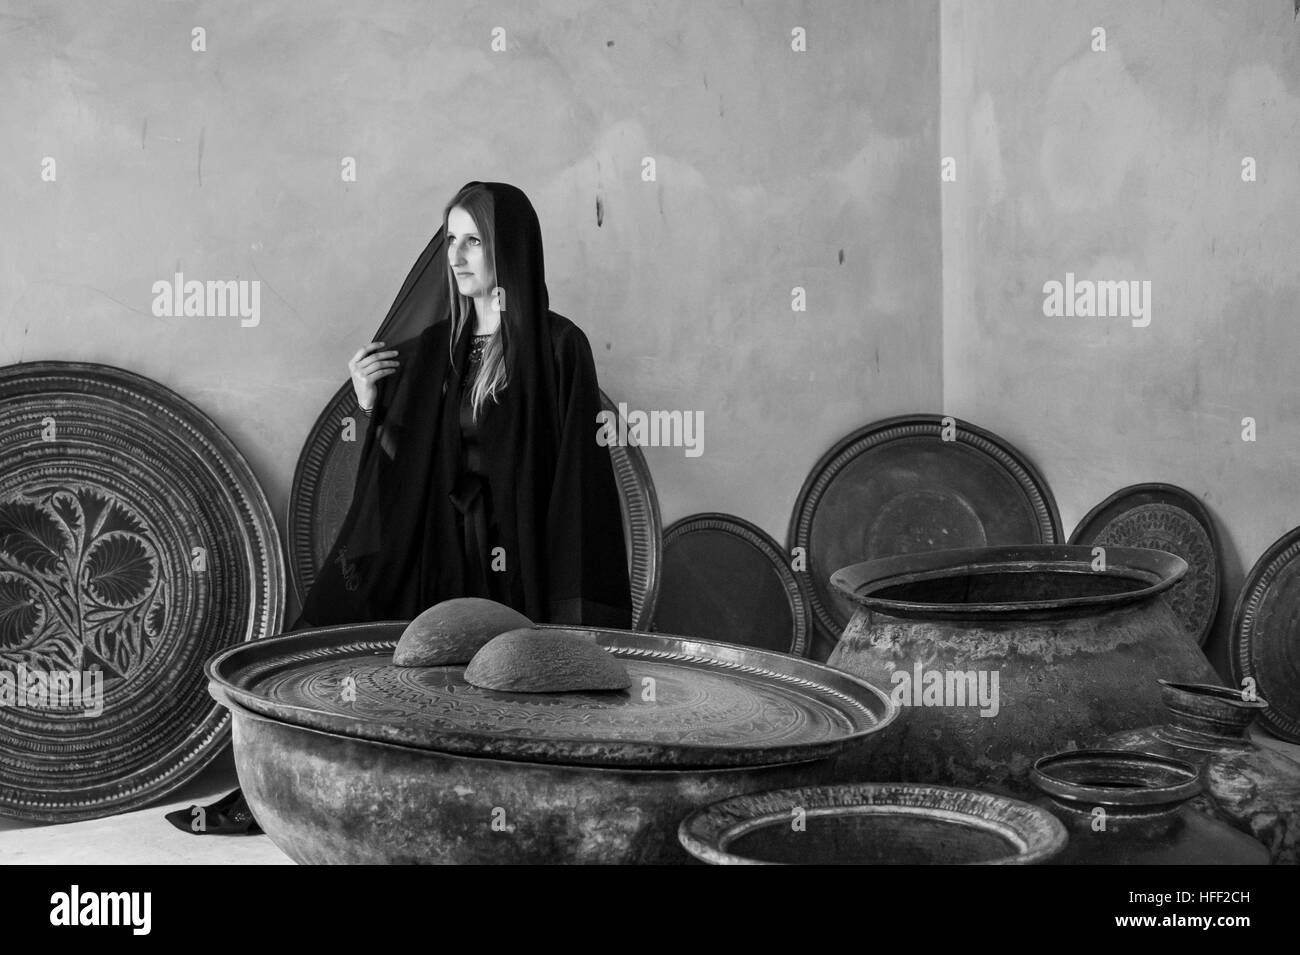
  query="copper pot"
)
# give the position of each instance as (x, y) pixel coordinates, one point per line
(998, 655)
(1131, 809)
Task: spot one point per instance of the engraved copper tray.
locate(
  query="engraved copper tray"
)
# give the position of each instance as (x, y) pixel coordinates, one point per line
(1164, 517)
(135, 543)
(725, 579)
(692, 704)
(1266, 635)
(327, 470)
(900, 487)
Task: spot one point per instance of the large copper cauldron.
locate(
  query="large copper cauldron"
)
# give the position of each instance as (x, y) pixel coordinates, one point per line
(344, 757)
(999, 655)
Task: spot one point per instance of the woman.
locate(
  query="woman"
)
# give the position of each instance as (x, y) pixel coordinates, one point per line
(480, 474)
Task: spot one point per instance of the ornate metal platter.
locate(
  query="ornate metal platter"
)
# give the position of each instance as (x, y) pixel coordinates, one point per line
(911, 484)
(326, 472)
(1164, 517)
(692, 703)
(135, 543)
(725, 579)
(1266, 635)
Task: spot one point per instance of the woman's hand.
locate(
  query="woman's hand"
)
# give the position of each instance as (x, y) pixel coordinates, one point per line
(368, 366)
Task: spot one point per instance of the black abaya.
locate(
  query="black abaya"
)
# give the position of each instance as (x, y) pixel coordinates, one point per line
(539, 509)
(555, 516)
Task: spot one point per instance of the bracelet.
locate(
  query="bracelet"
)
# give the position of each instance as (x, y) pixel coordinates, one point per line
(366, 411)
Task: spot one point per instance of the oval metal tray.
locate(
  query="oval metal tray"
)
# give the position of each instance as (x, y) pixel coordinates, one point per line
(692, 703)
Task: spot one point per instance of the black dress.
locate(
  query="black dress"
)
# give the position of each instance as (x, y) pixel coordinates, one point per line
(473, 495)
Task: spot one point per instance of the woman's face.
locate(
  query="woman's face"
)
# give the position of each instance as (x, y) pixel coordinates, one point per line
(466, 254)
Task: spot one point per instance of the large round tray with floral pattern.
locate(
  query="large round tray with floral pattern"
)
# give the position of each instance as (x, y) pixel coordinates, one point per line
(692, 703)
(135, 543)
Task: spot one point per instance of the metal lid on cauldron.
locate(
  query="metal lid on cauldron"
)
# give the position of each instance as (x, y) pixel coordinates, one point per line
(692, 704)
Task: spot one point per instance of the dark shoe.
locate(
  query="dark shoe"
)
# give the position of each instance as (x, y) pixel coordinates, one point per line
(228, 816)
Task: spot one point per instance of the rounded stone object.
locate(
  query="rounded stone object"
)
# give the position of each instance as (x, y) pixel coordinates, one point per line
(451, 632)
(531, 660)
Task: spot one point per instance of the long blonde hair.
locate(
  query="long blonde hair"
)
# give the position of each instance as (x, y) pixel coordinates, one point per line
(476, 200)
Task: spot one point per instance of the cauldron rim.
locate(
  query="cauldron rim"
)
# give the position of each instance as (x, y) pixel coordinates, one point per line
(874, 711)
(1212, 693)
(1158, 570)
(707, 832)
(1108, 775)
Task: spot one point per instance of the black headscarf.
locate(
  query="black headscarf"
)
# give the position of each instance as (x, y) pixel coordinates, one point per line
(555, 507)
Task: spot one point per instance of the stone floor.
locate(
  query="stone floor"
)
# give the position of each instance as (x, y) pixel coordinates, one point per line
(143, 837)
(146, 838)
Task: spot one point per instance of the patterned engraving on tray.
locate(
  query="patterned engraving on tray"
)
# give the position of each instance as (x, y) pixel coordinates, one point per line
(134, 541)
(691, 706)
(80, 586)
(1164, 527)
